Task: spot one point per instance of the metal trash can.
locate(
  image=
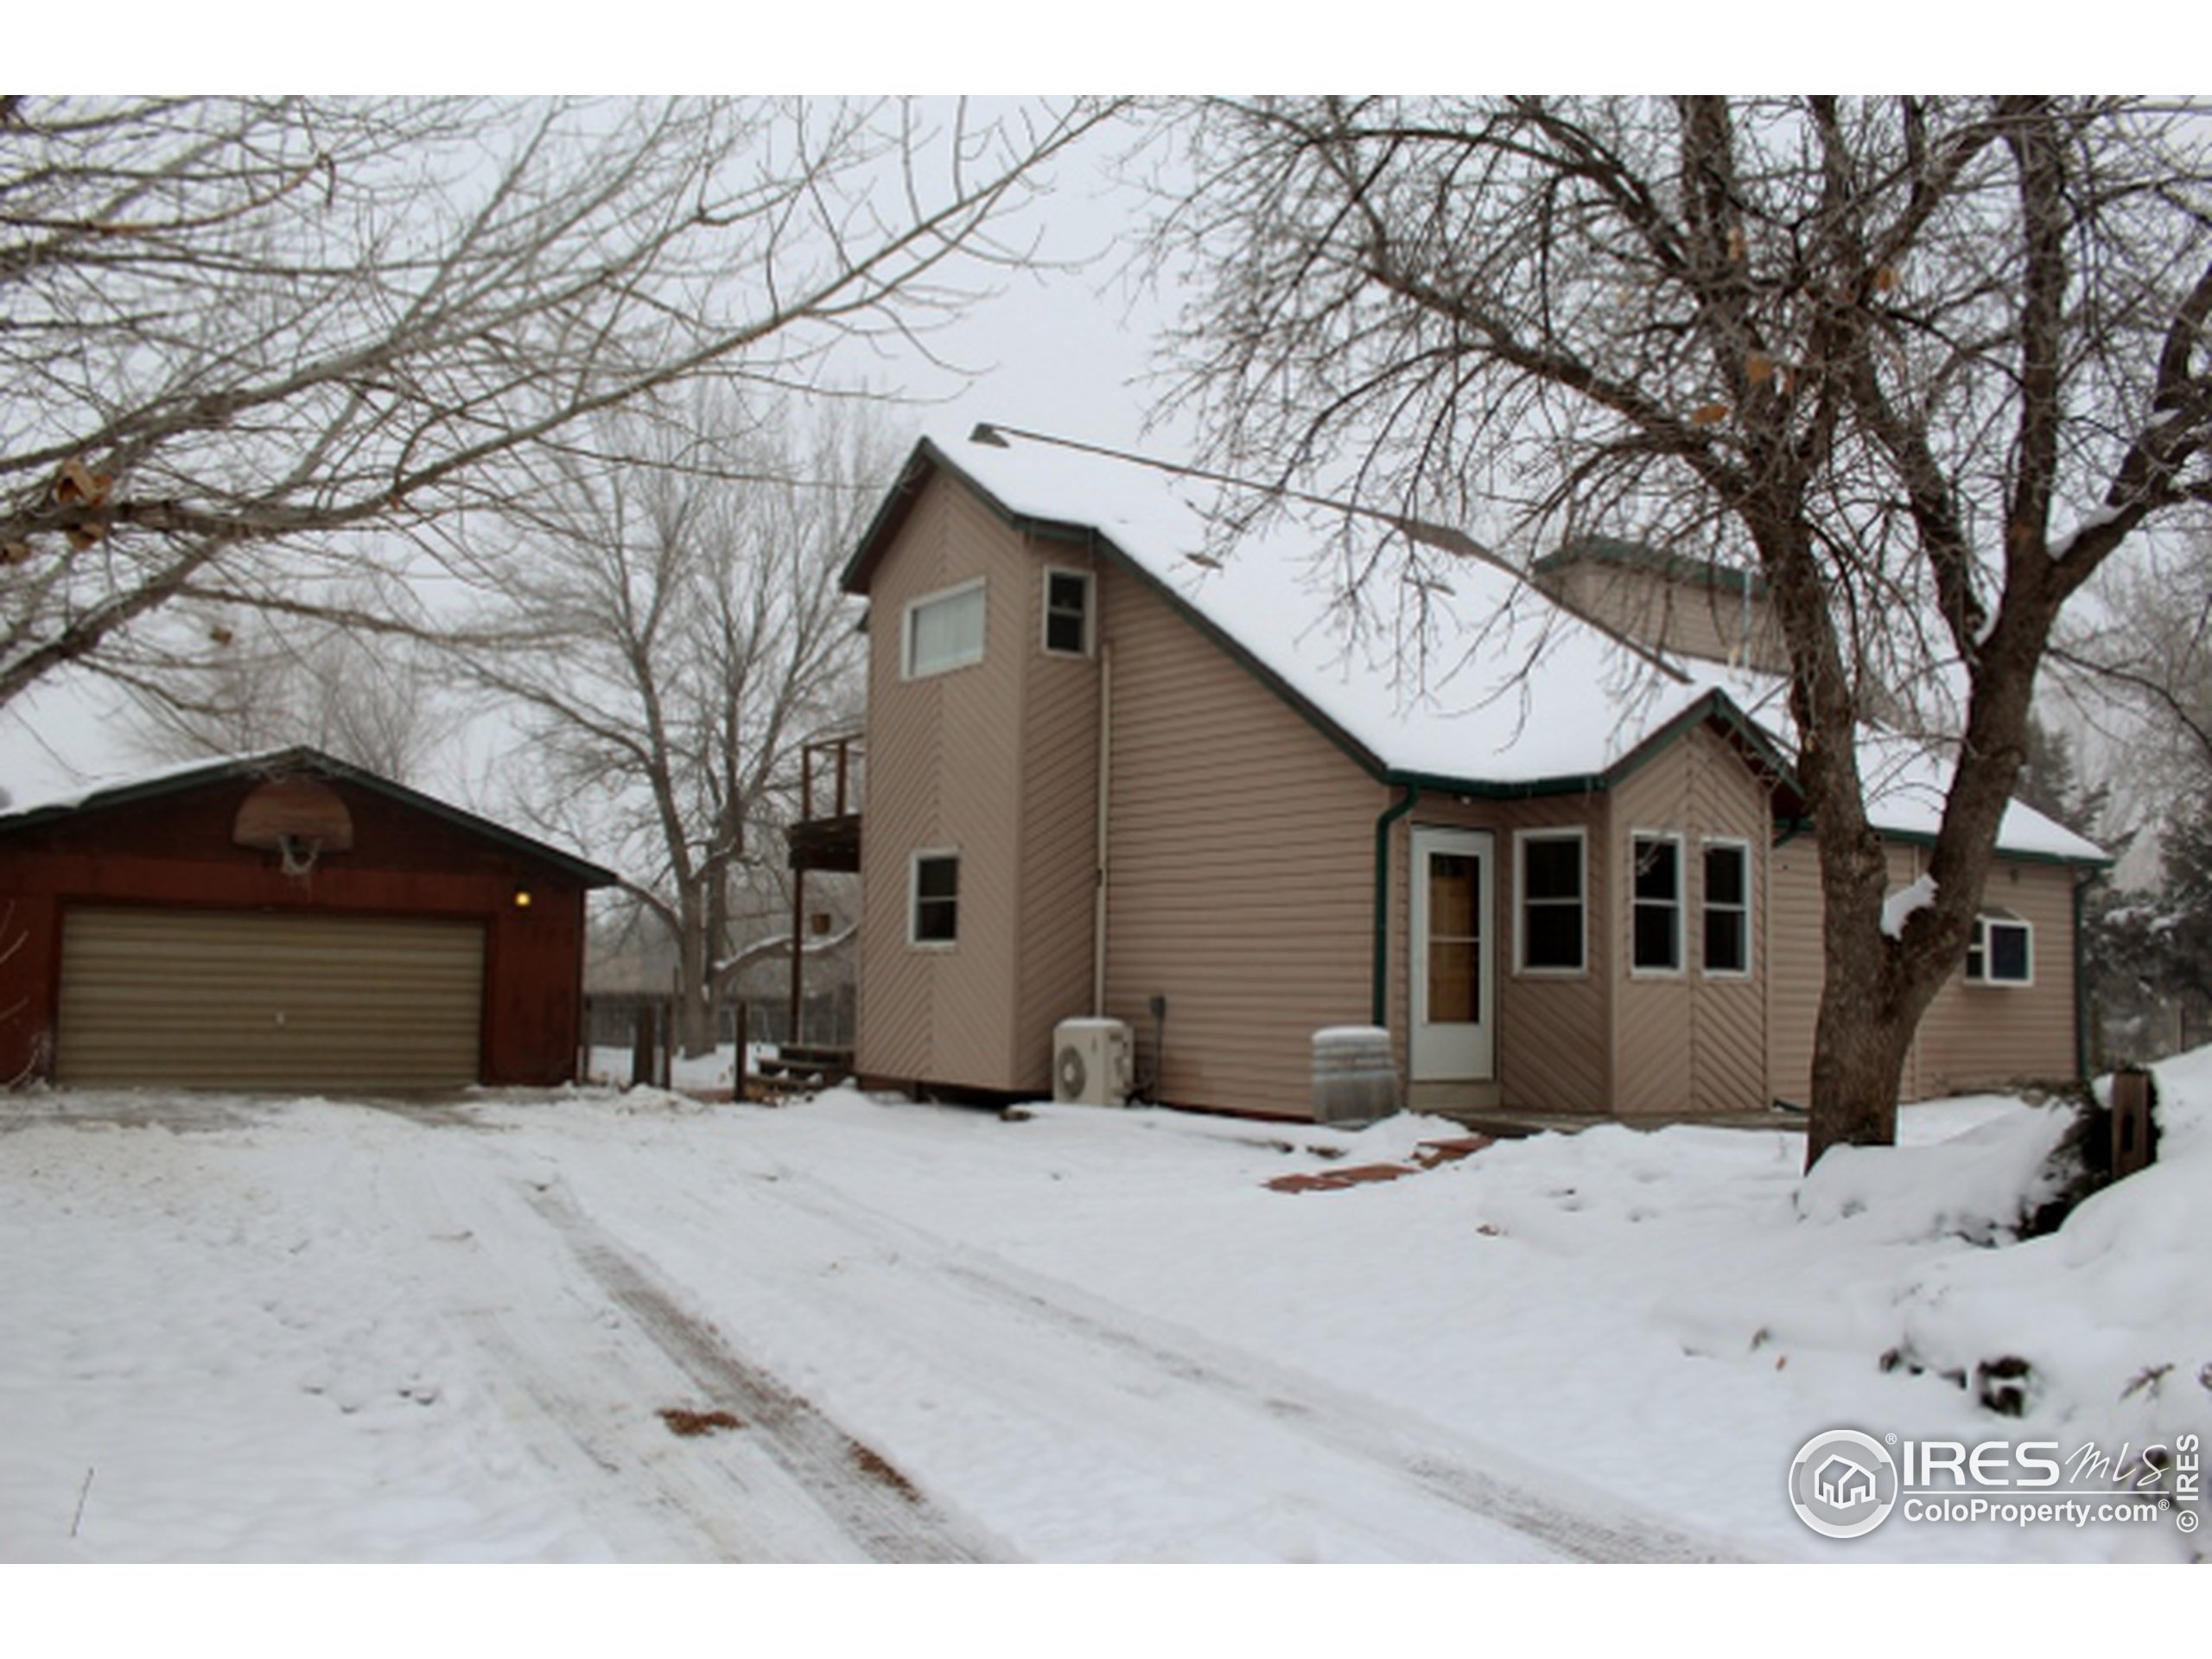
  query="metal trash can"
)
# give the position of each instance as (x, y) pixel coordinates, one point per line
(1354, 1080)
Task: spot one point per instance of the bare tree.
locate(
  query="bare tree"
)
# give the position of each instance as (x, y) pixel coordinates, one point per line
(269, 680)
(675, 629)
(1926, 364)
(2140, 672)
(247, 339)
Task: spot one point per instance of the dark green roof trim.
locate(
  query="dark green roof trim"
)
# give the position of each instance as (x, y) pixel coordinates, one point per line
(1642, 555)
(303, 761)
(1922, 838)
(1714, 707)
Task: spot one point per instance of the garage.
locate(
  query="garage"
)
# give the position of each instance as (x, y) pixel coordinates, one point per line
(246, 1000)
(285, 921)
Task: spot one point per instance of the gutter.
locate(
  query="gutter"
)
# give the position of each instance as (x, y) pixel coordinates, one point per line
(2080, 978)
(1380, 1007)
(1105, 786)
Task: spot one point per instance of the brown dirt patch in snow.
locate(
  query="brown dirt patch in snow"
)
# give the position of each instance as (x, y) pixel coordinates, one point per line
(1428, 1155)
(690, 1425)
(871, 1464)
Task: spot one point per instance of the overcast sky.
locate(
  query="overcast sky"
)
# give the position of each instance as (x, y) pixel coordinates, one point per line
(1064, 348)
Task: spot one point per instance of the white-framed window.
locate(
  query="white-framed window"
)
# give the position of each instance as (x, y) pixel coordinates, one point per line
(943, 631)
(1067, 611)
(1727, 901)
(1550, 892)
(934, 910)
(2002, 951)
(1655, 903)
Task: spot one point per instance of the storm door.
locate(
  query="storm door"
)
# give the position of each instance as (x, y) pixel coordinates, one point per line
(1453, 994)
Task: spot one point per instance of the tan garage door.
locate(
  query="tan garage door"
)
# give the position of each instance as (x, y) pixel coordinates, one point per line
(245, 999)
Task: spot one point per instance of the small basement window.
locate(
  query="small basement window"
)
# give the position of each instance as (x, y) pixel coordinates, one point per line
(1067, 613)
(1727, 909)
(1551, 875)
(2002, 952)
(1655, 944)
(944, 632)
(934, 917)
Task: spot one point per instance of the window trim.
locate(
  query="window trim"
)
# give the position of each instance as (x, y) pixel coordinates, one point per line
(914, 862)
(1705, 906)
(1089, 579)
(1977, 944)
(1579, 835)
(1680, 903)
(913, 609)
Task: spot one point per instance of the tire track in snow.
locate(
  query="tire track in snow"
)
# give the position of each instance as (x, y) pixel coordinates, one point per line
(579, 1361)
(1566, 1517)
(860, 1491)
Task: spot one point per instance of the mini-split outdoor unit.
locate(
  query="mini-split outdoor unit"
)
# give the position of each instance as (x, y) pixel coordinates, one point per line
(1091, 1063)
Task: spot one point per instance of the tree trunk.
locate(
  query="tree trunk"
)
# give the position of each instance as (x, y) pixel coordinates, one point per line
(694, 1005)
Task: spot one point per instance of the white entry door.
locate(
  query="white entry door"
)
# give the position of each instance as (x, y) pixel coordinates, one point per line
(1452, 989)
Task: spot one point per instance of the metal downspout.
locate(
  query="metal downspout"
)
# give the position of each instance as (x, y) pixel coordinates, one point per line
(1105, 780)
(1380, 1007)
(2080, 983)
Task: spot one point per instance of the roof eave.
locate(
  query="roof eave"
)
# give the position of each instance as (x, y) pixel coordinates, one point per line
(301, 758)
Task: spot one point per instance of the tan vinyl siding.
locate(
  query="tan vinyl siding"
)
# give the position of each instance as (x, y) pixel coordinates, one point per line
(247, 1000)
(1059, 826)
(1241, 866)
(1973, 1036)
(1552, 1054)
(1976, 1036)
(943, 777)
(1690, 1041)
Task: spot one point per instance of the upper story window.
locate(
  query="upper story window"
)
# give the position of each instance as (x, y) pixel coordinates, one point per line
(944, 632)
(934, 918)
(1551, 876)
(1655, 900)
(2002, 951)
(1067, 613)
(1727, 909)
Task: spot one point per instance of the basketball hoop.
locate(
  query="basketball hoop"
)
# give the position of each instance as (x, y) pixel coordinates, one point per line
(297, 853)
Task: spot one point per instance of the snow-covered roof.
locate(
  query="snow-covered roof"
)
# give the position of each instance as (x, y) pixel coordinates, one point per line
(163, 781)
(1437, 667)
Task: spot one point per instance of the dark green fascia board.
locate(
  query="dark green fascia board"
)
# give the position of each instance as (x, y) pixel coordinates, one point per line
(299, 759)
(1922, 838)
(926, 455)
(1642, 555)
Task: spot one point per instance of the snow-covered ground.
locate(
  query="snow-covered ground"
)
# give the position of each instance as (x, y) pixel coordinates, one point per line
(313, 1330)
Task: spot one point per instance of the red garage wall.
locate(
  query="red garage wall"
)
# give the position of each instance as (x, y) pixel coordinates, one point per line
(176, 849)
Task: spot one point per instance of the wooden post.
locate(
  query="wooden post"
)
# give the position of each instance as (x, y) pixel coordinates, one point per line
(744, 1050)
(643, 1041)
(670, 1022)
(798, 951)
(2130, 1122)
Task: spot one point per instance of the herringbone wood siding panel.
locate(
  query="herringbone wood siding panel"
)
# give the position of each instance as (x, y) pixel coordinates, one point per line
(944, 774)
(247, 1000)
(1691, 1041)
(1241, 866)
(1552, 1051)
(1792, 938)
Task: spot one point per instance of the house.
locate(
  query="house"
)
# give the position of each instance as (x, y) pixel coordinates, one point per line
(1118, 769)
(1843, 1484)
(285, 921)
